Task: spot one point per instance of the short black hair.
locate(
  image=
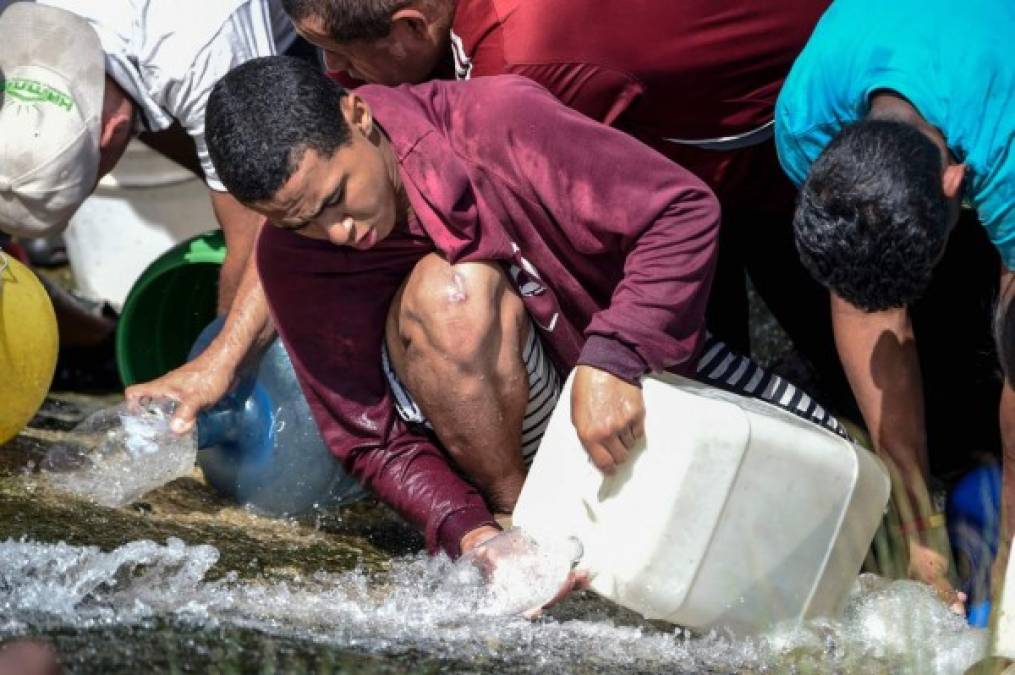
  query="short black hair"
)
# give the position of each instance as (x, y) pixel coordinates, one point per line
(346, 20)
(263, 115)
(872, 218)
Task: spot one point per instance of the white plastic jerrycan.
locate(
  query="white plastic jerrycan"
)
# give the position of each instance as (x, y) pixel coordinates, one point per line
(730, 513)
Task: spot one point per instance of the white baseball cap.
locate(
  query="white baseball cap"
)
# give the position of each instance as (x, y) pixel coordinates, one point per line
(52, 71)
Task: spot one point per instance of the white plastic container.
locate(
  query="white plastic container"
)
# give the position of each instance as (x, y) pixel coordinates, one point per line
(143, 207)
(733, 513)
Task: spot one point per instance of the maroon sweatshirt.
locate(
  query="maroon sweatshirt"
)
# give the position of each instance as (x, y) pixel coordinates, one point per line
(615, 245)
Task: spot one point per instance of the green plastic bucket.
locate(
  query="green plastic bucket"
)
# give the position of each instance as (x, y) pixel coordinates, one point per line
(168, 307)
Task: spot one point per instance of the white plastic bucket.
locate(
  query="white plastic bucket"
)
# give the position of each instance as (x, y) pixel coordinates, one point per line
(146, 205)
(732, 513)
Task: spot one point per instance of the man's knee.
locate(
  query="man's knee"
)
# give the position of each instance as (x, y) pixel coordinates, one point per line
(459, 314)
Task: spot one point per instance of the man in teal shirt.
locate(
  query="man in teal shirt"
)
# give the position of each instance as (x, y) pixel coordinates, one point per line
(892, 116)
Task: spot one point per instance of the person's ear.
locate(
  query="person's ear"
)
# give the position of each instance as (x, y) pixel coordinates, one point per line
(114, 127)
(411, 22)
(951, 180)
(358, 114)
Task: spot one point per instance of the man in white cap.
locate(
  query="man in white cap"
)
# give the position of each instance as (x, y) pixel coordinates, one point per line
(81, 78)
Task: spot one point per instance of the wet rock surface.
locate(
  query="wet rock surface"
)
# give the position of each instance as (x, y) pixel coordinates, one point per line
(365, 535)
(362, 534)
(186, 581)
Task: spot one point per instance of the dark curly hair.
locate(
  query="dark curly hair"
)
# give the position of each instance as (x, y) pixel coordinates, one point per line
(872, 219)
(263, 115)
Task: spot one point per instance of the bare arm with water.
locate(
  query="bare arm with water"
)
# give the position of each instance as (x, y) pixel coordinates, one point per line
(202, 382)
(1006, 414)
(1007, 419)
(878, 352)
(240, 226)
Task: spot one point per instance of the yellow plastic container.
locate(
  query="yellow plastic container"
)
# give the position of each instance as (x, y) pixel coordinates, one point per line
(28, 346)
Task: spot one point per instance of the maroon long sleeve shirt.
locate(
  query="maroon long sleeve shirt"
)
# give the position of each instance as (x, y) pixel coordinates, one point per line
(686, 69)
(673, 73)
(614, 243)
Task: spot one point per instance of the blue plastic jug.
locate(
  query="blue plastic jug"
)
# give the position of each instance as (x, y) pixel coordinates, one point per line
(260, 445)
(974, 523)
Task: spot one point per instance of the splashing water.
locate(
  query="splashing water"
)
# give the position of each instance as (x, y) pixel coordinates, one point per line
(518, 575)
(118, 454)
(422, 606)
(888, 622)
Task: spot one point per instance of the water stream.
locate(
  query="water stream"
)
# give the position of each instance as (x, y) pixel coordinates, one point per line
(183, 581)
(420, 606)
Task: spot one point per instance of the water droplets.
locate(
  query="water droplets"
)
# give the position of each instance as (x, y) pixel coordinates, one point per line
(431, 607)
(118, 454)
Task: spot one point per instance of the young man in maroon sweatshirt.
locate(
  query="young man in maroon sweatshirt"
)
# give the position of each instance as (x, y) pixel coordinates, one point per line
(696, 80)
(550, 231)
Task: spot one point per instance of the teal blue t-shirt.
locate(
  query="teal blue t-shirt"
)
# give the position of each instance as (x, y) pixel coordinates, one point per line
(954, 61)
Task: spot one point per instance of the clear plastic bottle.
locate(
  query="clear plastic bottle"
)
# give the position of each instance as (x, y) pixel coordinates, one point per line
(118, 454)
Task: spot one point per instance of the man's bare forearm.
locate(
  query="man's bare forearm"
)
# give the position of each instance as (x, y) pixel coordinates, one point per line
(248, 323)
(1006, 417)
(878, 352)
(247, 327)
(202, 382)
(240, 226)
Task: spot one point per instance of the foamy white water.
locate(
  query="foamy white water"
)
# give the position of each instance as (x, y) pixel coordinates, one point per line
(425, 605)
(119, 454)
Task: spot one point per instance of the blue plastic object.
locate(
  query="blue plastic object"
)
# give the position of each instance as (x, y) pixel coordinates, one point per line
(974, 523)
(979, 614)
(260, 446)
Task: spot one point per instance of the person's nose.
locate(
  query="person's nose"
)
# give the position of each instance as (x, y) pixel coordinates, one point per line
(343, 232)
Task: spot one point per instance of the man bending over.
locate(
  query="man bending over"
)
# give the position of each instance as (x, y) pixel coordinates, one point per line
(464, 235)
(889, 127)
(81, 79)
(632, 65)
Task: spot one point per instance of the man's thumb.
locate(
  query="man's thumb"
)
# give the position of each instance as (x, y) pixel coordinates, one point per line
(183, 419)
